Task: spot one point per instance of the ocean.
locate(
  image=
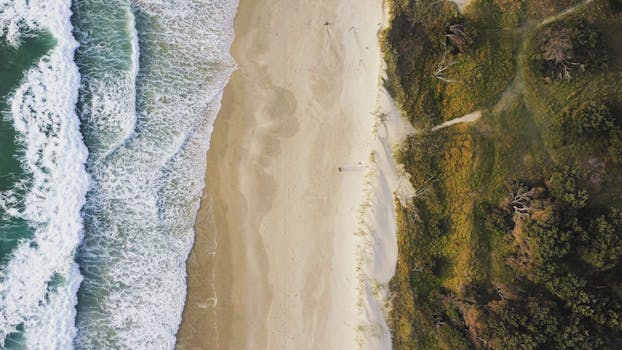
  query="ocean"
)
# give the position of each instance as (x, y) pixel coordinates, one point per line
(107, 109)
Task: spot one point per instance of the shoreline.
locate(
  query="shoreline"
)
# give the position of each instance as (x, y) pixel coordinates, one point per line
(277, 252)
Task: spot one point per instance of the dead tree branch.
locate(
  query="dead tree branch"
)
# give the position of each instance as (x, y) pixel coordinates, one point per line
(521, 202)
(442, 66)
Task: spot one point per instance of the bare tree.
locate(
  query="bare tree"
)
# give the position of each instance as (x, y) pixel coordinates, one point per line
(417, 268)
(456, 36)
(558, 49)
(420, 192)
(442, 66)
(438, 322)
(499, 292)
(521, 202)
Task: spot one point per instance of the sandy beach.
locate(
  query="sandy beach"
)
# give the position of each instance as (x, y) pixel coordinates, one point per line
(276, 262)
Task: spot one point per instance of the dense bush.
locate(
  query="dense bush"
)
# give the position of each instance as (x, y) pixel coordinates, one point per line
(594, 123)
(513, 240)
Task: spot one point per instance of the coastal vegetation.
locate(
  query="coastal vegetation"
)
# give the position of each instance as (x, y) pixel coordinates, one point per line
(514, 237)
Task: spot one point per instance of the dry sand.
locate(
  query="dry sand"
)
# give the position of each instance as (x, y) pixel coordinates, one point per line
(276, 253)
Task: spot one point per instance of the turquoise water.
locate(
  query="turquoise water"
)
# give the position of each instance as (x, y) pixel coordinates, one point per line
(150, 90)
(108, 67)
(43, 177)
(15, 62)
(107, 109)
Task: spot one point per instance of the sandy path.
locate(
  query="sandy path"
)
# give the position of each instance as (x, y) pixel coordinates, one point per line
(275, 234)
(467, 118)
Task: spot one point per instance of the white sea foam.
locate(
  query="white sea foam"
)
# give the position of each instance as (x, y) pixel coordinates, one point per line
(142, 205)
(42, 111)
(54, 327)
